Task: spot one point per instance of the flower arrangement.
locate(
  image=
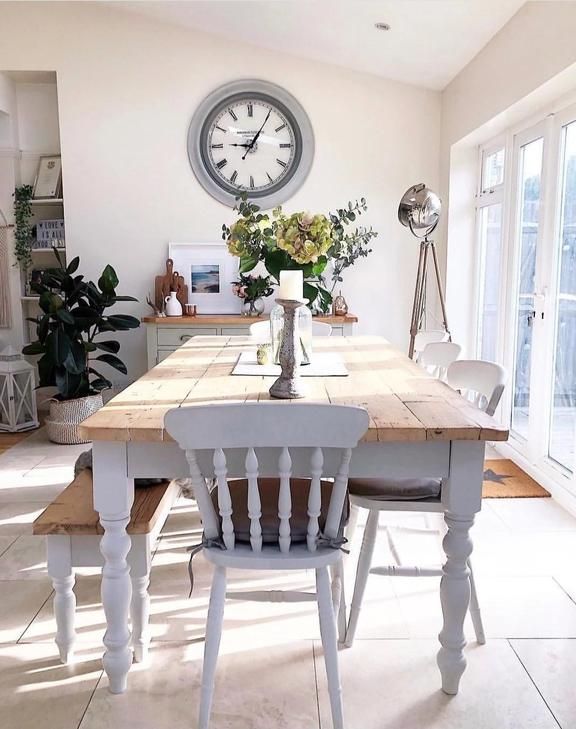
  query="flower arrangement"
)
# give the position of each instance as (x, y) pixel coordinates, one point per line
(300, 241)
(250, 287)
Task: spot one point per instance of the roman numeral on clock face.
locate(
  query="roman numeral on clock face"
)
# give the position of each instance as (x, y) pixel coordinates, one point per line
(233, 176)
(217, 146)
(250, 110)
(232, 114)
(219, 128)
(279, 129)
(280, 162)
(285, 146)
(222, 163)
(268, 176)
(251, 182)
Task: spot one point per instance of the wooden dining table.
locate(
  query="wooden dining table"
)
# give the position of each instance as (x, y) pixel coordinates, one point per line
(419, 427)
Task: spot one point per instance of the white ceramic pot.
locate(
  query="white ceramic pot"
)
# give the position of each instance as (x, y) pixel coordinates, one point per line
(173, 306)
(66, 416)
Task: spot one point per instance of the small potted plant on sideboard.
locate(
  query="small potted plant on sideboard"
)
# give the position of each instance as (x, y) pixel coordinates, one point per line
(70, 346)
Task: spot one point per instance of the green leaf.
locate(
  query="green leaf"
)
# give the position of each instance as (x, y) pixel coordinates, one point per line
(73, 266)
(124, 298)
(46, 372)
(310, 292)
(34, 348)
(75, 361)
(110, 345)
(123, 321)
(100, 383)
(113, 361)
(319, 266)
(247, 263)
(58, 256)
(108, 281)
(68, 383)
(65, 316)
(58, 346)
(50, 302)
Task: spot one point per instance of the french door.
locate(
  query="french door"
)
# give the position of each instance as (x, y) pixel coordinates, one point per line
(537, 321)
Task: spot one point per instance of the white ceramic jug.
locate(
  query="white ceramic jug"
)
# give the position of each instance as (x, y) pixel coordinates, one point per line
(173, 306)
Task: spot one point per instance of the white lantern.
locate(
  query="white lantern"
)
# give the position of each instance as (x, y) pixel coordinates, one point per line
(17, 397)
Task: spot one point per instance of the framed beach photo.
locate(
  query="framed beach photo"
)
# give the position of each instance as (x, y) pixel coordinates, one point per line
(208, 271)
(49, 178)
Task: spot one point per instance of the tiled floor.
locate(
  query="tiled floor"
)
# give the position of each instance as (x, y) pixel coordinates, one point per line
(270, 674)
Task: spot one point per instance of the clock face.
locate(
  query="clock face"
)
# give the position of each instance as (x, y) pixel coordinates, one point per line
(256, 141)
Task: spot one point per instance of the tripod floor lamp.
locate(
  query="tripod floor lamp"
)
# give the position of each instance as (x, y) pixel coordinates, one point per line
(419, 210)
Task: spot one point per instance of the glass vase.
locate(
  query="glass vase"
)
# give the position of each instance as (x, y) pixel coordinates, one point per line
(304, 328)
(253, 308)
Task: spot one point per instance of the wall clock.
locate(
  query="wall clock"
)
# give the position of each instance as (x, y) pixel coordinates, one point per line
(251, 136)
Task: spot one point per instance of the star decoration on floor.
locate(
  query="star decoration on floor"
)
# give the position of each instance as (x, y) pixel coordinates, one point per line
(493, 477)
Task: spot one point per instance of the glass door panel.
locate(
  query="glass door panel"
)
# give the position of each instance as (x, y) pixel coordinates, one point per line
(528, 221)
(490, 238)
(563, 410)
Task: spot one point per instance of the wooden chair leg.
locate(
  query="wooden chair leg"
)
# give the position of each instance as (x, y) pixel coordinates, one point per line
(475, 609)
(329, 644)
(339, 598)
(362, 571)
(212, 644)
(60, 570)
(140, 616)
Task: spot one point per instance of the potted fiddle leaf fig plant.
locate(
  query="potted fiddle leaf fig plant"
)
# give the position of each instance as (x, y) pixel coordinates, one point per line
(69, 328)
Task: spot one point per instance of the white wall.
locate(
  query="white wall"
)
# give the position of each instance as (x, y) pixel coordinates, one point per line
(127, 89)
(531, 61)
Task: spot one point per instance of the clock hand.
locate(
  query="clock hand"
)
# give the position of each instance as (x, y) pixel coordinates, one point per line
(235, 144)
(253, 142)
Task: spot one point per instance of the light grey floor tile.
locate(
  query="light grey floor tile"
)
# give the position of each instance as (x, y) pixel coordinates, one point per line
(36, 690)
(19, 602)
(396, 685)
(16, 517)
(533, 515)
(552, 666)
(255, 688)
(25, 559)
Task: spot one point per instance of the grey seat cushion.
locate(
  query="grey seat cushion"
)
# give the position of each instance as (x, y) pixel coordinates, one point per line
(269, 521)
(401, 489)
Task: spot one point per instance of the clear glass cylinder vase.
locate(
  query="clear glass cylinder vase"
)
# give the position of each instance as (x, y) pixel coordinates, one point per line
(304, 329)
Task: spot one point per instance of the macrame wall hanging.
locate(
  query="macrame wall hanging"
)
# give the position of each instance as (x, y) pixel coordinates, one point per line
(5, 310)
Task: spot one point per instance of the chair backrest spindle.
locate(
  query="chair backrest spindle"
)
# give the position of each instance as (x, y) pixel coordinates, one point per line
(224, 498)
(254, 503)
(314, 498)
(284, 499)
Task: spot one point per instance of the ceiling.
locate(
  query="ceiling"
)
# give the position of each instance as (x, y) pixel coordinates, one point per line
(430, 41)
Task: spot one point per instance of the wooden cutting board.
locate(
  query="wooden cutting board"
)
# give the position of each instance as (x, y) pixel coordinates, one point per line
(170, 281)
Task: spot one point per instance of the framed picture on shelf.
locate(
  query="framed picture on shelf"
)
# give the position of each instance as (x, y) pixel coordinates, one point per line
(208, 271)
(49, 178)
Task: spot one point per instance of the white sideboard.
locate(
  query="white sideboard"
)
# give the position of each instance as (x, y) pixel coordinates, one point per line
(167, 333)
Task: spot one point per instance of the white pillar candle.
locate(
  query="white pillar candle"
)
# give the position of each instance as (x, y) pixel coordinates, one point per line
(291, 285)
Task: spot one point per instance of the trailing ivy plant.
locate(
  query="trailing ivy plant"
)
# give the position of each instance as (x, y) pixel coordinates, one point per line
(68, 329)
(23, 227)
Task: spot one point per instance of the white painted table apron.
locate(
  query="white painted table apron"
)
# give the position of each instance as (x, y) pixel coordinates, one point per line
(458, 462)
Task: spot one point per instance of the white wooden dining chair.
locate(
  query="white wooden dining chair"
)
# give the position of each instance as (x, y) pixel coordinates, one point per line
(261, 329)
(273, 507)
(436, 357)
(427, 336)
(483, 383)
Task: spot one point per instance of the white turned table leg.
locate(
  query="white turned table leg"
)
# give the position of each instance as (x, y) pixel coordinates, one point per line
(461, 498)
(59, 558)
(455, 598)
(113, 498)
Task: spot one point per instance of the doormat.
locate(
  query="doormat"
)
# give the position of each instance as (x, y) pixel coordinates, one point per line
(503, 479)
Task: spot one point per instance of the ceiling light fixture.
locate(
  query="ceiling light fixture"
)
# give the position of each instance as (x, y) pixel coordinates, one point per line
(382, 26)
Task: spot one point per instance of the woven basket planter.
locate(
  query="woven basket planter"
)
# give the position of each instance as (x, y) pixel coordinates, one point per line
(66, 416)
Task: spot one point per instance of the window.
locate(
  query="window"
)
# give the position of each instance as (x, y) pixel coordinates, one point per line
(489, 254)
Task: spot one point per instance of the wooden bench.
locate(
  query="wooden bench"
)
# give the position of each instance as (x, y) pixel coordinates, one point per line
(73, 533)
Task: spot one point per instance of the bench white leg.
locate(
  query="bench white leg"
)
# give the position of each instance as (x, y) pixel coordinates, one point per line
(140, 615)
(59, 559)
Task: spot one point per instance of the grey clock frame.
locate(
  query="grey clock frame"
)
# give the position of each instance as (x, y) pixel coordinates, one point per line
(287, 105)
